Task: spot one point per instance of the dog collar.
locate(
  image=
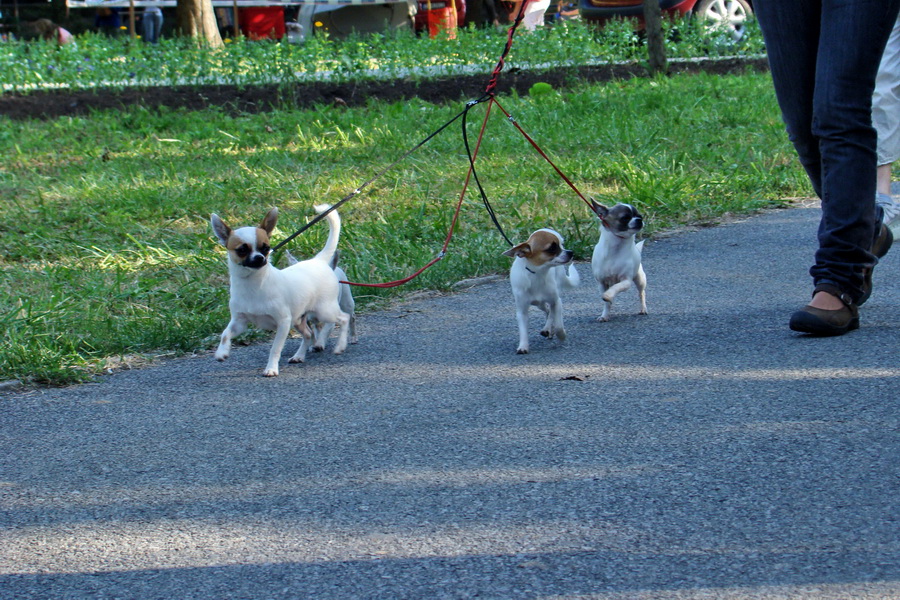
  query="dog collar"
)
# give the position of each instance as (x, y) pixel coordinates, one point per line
(609, 229)
(529, 270)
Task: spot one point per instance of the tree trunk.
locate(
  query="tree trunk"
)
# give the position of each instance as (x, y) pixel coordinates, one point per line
(656, 45)
(197, 19)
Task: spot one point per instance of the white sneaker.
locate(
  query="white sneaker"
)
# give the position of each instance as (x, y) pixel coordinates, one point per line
(891, 209)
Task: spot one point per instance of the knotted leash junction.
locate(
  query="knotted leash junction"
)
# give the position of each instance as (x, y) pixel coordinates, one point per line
(488, 96)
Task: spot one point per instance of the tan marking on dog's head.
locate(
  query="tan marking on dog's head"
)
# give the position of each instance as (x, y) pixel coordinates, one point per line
(247, 246)
(544, 245)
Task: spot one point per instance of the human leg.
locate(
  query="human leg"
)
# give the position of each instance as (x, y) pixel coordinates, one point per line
(886, 119)
(823, 56)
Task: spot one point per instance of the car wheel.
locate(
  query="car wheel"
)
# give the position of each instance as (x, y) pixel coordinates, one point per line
(727, 16)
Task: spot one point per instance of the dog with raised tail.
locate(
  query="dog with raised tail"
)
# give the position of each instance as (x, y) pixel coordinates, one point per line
(542, 267)
(616, 262)
(275, 299)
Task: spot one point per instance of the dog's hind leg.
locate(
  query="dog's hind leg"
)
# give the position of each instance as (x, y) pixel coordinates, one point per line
(554, 325)
(352, 327)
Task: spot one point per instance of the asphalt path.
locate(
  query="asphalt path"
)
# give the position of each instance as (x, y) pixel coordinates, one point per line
(702, 451)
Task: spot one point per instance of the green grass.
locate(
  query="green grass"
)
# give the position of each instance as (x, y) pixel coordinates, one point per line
(97, 61)
(108, 252)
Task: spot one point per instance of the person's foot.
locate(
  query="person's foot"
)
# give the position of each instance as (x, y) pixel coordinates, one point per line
(891, 209)
(827, 314)
(880, 247)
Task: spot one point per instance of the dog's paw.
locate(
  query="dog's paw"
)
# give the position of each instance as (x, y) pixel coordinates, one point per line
(522, 351)
(607, 297)
(547, 333)
(603, 319)
(295, 360)
(270, 373)
(644, 312)
(221, 356)
(561, 335)
(318, 348)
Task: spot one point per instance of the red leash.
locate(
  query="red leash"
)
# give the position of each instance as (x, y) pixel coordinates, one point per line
(443, 252)
(488, 95)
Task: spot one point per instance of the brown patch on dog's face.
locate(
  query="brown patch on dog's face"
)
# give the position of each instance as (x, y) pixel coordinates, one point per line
(544, 246)
(249, 247)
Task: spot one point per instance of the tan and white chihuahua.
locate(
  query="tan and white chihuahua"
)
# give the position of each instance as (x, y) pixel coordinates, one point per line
(538, 273)
(279, 299)
(616, 262)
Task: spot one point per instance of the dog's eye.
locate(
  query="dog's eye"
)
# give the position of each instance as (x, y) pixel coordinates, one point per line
(553, 248)
(242, 250)
(264, 249)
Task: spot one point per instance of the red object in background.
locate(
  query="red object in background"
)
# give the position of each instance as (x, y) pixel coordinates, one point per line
(262, 22)
(440, 16)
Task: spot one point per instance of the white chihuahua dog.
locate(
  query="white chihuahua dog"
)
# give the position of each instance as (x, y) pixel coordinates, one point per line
(345, 300)
(537, 274)
(279, 299)
(617, 258)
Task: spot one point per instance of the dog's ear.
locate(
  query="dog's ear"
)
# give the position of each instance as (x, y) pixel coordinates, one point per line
(222, 231)
(522, 250)
(268, 222)
(599, 209)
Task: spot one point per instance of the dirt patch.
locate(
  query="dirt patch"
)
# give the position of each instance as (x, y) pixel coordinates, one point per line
(307, 95)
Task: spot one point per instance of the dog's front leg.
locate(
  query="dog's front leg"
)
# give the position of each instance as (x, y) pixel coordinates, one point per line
(522, 320)
(306, 334)
(640, 282)
(343, 319)
(323, 330)
(235, 327)
(281, 333)
(610, 294)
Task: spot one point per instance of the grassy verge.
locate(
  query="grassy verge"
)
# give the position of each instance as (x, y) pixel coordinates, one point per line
(108, 249)
(96, 61)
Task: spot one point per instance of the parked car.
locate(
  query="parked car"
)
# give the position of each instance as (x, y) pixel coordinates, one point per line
(726, 15)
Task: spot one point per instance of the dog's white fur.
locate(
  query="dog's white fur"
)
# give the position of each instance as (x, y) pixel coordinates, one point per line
(321, 331)
(279, 299)
(538, 273)
(616, 262)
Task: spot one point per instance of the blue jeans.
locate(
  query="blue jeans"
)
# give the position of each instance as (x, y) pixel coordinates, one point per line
(152, 25)
(823, 56)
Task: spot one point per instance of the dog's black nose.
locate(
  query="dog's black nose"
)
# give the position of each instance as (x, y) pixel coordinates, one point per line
(637, 222)
(255, 261)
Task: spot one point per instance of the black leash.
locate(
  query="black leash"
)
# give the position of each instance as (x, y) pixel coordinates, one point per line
(367, 183)
(484, 198)
(488, 95)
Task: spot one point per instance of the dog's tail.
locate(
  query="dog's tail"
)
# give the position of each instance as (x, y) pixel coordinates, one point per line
(572, 278)
(334, 233)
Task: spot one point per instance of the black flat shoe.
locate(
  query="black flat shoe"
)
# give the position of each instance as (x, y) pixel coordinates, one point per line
(819, 322)
(880, 247)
